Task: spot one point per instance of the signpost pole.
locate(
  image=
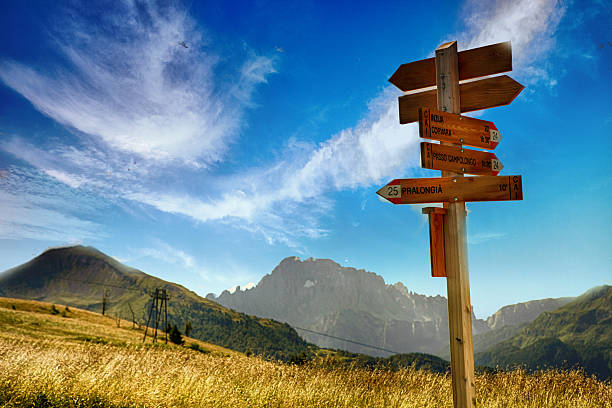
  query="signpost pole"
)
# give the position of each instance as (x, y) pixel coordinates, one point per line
(455, 247)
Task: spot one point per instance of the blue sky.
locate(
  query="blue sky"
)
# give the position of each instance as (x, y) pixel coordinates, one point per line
(269, 135)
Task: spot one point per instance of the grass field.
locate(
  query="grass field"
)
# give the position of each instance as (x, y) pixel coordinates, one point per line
(74, 358)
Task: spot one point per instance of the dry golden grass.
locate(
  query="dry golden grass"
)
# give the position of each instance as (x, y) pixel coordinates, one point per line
(31, 319)
(54, 371)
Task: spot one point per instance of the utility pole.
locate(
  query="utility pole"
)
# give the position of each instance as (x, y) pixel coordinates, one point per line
(105, 295)
(159, 305)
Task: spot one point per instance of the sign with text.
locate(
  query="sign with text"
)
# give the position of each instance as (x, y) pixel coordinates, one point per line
(451, 189)
(449, 127)
(459, 160)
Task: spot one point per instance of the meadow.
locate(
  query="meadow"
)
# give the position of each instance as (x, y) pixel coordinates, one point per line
(73, 358)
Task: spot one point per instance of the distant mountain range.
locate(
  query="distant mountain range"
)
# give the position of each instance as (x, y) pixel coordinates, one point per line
(578, 333)
(521, 313)
(78, 276)
(508, 321)
(322, 296)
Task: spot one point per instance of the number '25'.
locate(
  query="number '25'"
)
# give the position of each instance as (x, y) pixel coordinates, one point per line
(393, 191)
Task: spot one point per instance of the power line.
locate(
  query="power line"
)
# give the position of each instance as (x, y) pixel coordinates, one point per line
(350, 341)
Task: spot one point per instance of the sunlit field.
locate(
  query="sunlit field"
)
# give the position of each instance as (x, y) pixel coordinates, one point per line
(84, 360)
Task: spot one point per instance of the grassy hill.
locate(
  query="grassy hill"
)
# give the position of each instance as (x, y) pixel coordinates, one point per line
(54, 356)
(45, 323)
(579, 333)
(79, 276)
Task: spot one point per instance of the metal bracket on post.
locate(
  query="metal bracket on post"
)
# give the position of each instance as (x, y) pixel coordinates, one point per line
(436, 240)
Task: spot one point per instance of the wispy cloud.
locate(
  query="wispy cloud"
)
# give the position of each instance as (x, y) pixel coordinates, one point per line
(33, 209)
(179, 260)
(166, 253)
(137, 89)
(529, 24)
(148, 97)
(378, 147)
(284, 202)
(481, 237)
(140, 105)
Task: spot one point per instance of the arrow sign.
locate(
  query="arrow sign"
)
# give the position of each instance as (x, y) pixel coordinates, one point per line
(458, 160)
(448, 127)
(474, 63)
(450, 189)
(476, 95)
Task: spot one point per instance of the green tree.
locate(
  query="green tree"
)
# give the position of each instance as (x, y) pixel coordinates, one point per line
(299, 359)
(175, 335)
(188, 328)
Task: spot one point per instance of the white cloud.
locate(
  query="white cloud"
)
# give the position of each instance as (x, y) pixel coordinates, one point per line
(378, 147)
(481, 237)
(166, 105)
(168, 254)
(529, 24)
(72, 180)
(283, 202)
(25, 217)
(34, 205)
(137, 89)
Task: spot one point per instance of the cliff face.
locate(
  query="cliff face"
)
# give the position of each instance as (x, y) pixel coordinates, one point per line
(323, 296)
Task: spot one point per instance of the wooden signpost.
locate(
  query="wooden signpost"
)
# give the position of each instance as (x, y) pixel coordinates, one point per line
(438, 112)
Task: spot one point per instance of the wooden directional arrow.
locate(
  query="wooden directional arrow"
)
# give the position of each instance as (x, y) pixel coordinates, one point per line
(476, 95)
(448, 127)
(474, 63)
(451, 189)
(459, 160)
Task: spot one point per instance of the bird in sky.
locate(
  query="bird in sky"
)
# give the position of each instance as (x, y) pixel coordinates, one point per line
(183, 44)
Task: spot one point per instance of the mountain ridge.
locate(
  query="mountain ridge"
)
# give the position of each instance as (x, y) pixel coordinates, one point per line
(323, 296)
(80, 276)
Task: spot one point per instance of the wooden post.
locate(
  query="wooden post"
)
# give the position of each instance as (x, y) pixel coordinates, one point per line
(436, 240)
(455, 248)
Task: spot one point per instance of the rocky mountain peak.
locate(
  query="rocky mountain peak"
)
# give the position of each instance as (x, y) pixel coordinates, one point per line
(320, 294)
